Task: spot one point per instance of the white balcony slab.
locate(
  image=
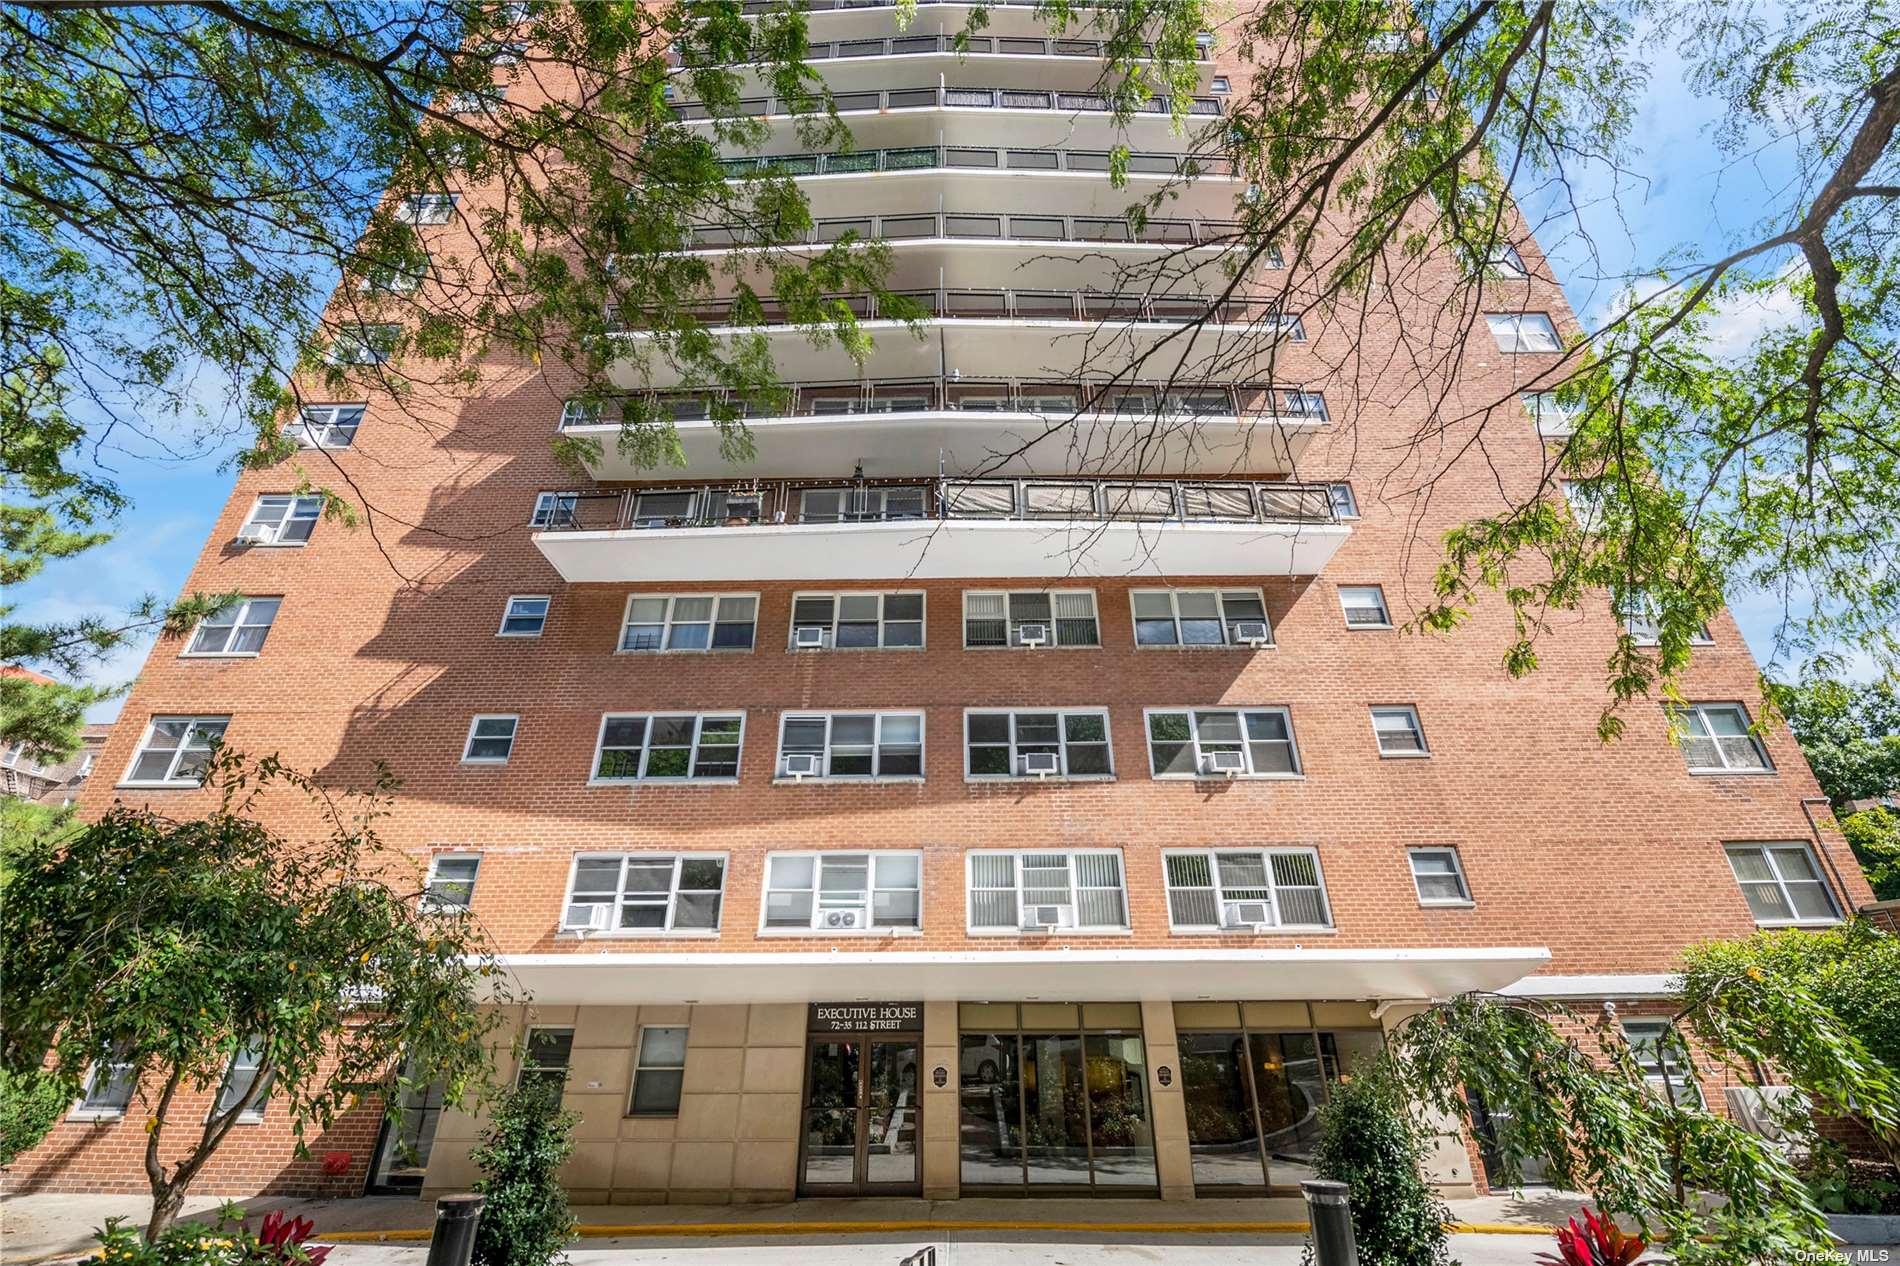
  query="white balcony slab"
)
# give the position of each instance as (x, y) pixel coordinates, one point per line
(600, 973)
(1024, 129)
(957, 442)
(940, 549)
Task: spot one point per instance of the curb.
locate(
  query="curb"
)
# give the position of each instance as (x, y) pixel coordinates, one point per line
(689, 1230)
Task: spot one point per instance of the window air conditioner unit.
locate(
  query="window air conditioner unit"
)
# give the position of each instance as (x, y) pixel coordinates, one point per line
(801, 765)
(843, 920)
(1229, 763)
(253, 533)
(1245, 914)
(1032, 635)
(586, 917)
(1041, 764)
(1045, 918)
(808, 637)
(1253, 633)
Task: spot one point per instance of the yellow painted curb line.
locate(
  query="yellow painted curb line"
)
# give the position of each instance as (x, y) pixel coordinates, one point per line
(695, 1229)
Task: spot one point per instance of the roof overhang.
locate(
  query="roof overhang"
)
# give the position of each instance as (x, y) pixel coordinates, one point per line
(585, 978)
(940, 549)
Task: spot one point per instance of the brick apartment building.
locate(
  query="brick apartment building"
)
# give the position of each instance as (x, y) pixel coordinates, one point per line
(913, 811)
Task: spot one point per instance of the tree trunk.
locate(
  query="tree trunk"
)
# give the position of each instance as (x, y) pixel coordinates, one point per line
(166, 1202)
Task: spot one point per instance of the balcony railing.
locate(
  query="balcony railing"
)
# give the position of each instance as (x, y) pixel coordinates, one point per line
(938, 97)
(753, 7)
(1021, 305)
(968, 158)
(979, 226)
(965, 395)
(834, 502)
(912, 45)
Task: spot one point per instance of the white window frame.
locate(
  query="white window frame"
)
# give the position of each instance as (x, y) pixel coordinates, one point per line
(1506, 261)
(640, 1065)
(1062, 716)
(429, 900)
(295, 506)
(877, 746)
(1646, 1034)
(514, 732)
(868, 925)
(575, 413)
(1553, 420)
(185, 741)
(1016, 871)
(1526, 332)
(671, 904)
(699, 719)
(668, 623)
(837, 597)
(1338, 494)
(527, 1050)
(1267, 854)
(1457, 872)
(1194, 741)
(1766, 851)
(1011, 624)
(317, 424)
(1346, 607)
(253, 1112)
(239, 611)
(82, 1110)
(363, 343)
(1221, 595)
(508, 613)
(425, 209)
(1418, 728)
(548, 508)
(1640, 623)
(1693, 713)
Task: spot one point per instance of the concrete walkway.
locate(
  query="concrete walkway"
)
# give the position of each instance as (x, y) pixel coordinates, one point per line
(394, 1230)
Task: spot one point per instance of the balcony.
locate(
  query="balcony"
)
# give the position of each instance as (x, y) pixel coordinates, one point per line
(1002, 427)
(941, 529)
(979, 226)
(923, 45)
(1080, 307)
(939, 97)
(976, 158)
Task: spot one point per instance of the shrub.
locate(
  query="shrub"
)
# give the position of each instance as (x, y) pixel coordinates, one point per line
(29, 1105)
(1370, 1143)
(525, 1220)
(1598, 1242)
(225, 1242)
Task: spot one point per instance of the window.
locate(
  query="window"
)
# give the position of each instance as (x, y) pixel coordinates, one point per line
(1716, 739)
(239, 629)
(1644, 623)
(675, 747)
(1398, 731)
(843, 892)
(689, 622)
(545, 1059)
(1221, 86)
(1584, 497)
(856, 621)
(1504, 261)
(1256, 743)
(427, 208)
(451, 882)
(1251, 888)
(491, 739)
(665, 509)
(851, 505)
(555, 510)
(1060, 618)
(240, 1084)
(1438, 877)
(109, 1085)
(1554, 420)
(175, 750)
(580, 413)
(1782, 884)
(1038, 891)
(1031, 744)
(1523, 332)
(1345, 506)
(327, 425)
(853, 745)
(659, 1070)
(1200, 617)
(652, 893)
(1659, 1053)
(524, 616)
(279, 520)
(365, 345)
(1364, 606)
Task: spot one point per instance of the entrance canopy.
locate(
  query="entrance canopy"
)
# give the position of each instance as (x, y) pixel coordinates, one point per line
(613, 977)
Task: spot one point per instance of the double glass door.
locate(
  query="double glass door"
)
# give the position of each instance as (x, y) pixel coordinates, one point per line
(860, 1132)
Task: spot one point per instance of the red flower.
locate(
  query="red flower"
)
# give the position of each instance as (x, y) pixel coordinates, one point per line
(277, 1235)
(1598, 1242)
(337, 1164)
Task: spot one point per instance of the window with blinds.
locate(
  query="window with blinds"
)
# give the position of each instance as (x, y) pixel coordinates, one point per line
(1037, 891)
(1246, 889)
(1716, 738)
(1061, 618)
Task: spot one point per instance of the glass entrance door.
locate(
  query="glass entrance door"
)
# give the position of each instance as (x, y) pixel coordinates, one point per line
(860, 1126)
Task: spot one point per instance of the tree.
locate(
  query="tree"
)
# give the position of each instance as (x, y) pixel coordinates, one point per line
(170, 945)
(1849, 733)
(1874, 835)
(1369, 1142)
(525, 1219)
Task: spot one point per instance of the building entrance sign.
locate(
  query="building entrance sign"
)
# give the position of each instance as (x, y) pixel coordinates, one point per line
(867, 1017)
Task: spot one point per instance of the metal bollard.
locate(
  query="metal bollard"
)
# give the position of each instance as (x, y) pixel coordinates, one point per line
(453, 1242)
(1330, 1211)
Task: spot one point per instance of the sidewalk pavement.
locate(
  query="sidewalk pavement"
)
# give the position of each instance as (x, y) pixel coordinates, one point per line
(393, 1231)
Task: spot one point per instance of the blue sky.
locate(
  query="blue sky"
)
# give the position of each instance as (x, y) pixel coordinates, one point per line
(1692, 197)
